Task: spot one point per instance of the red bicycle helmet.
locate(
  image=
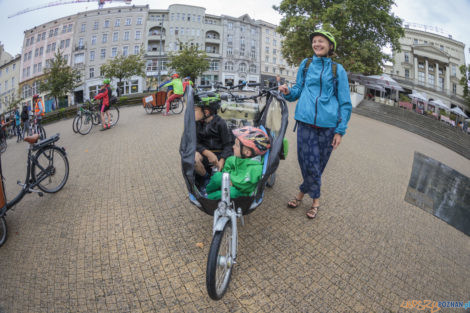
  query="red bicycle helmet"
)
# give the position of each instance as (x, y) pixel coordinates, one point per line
(35, 96)
(253, 138)
(175, 76)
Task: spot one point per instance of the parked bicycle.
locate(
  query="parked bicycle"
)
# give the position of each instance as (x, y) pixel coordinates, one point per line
(36, 128)
(47, 168)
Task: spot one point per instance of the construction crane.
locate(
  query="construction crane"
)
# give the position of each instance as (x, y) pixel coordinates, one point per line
(55, 3)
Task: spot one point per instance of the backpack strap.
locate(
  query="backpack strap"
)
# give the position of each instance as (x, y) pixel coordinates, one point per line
(334, 67)
(305, 69)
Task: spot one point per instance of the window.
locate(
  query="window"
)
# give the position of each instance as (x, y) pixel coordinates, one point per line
(415, 41)
(52, 49)
(103, 53)
(139, 21)
(214, 65)
(136, 49)
(48, 49)
(453, 70)
(266, 68)
(113, 52)
(80, 42)
(36, 52)
(274, 51)
(64, 29)
(198, 32)
(267, 31)
(93, 40)
(182, 31)
(441, 47)
(67, 43)
(421, 65)
(125, 50)
(176, 30)
(454, 88)
(56, 31)
(39, 68)
(51, 33)
(104, 39)
(172, 16)
(274, 60)
(407, 73)
(92, 72)
(79, 58)
(126, 35)
(128, 21)
(92, 55)
(229, 51)
(267, 40)
(274, 42)
(274, 70)
(230, 25)
(106, 24)
(95, 25)
(128, 87)
(138, 34)
(61, 45)
(230, 39)
(431, 79)
(183, 17)
(421, 77)
(41, 50)
(242, 50)
(407, 57)
(266, 59)
(117, 22)
(38, 38)
(31, 41)
(69, 28)
(27, 42)
(253, 54)
(198, 18)
(93, 91)
(252, 43)
(242, 67)
(43, 36)
(229, 66)
(115, 36)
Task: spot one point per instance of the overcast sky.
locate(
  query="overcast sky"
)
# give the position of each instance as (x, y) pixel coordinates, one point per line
(453, 16)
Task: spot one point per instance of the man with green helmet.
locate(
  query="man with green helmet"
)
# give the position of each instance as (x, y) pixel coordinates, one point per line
(322, 114)
(105, 95)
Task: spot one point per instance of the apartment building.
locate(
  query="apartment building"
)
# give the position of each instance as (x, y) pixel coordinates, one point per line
(272, 61)
(39, 46)
(104, 34)
(9, 78)
(429, 62)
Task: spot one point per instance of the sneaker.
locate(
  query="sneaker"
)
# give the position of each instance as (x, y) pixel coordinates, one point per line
(104, 128)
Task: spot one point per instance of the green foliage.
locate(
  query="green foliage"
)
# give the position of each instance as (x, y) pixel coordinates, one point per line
(465, 71)
(189, 62)
(124, 67)
(60, 78)
(404, 98)
(442, 112)
(361, 28)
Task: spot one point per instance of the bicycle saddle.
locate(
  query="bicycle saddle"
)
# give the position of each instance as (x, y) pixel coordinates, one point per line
(32, 139)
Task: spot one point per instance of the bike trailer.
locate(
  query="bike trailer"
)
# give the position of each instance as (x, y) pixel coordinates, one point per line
(273, 118)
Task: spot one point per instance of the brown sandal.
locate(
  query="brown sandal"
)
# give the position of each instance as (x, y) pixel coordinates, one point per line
(294, 203)
(312, 212)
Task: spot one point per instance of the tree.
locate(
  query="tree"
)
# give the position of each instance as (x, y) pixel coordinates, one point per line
(124, 67)
(59, 78)
(189, 62)
(361, 29)
(464, 81)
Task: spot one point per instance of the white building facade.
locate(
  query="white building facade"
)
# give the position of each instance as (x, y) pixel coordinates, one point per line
(9, 79)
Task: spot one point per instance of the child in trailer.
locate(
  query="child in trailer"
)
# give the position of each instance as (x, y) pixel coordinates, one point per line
(245, 166)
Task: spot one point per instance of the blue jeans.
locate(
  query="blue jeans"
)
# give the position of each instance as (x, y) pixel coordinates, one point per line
(313, 152)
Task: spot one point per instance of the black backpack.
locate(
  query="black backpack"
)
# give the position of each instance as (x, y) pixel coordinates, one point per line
(112, 99)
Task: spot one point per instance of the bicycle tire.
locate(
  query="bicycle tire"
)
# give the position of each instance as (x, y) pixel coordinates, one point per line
(74, 123)
(3, 145)
(216, 283)
(86, 124)
(96, 120)
(46, 160)
(3, 230)
(177, 106)
(114, 113)
(42, 132)
(148, 108)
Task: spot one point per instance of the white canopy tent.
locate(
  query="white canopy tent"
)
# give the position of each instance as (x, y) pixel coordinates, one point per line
(458, 111)
(418, 96)
(384, 80)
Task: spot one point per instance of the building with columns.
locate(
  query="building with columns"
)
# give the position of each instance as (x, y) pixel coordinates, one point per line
(429, 63)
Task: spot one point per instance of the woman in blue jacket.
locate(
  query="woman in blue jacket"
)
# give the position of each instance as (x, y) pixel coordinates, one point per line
(322, 114)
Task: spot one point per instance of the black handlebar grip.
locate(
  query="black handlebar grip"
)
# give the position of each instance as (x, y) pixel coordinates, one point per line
(253, 84)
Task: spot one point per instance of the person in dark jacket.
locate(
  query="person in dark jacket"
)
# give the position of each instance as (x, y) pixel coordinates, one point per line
(214, 142)
(25, 120)
(322, 114)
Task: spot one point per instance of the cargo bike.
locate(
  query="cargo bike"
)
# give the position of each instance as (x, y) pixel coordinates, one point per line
(156, 103)
(270, 114)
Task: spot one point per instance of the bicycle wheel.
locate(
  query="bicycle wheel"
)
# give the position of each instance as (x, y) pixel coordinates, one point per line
(51, 169)
(41, 132)
(220, 263)
(3, 145)
(177, 106)
(74, 123)
(148, 108)
(114, 113)
(96, 118)
(3, 230)
(86, 124)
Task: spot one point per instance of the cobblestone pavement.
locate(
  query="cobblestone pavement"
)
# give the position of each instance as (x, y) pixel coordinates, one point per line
(121, 236)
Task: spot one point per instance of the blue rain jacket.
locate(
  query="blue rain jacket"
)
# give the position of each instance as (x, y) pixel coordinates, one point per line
(317, 103)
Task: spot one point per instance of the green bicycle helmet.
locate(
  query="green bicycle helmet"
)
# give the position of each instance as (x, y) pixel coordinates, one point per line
(325, 34)
(106, 81)
(208, 100)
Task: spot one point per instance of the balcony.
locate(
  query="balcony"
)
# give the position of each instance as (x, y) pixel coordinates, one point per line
(79, 47)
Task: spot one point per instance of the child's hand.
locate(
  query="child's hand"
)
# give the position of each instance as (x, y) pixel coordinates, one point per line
(221, 164)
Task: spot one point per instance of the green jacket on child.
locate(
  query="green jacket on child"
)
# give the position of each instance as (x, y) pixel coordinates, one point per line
(244, 175)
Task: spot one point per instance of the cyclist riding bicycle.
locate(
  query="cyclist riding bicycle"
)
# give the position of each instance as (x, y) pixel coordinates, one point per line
(177, 91)
(105, 95)
(39, 108)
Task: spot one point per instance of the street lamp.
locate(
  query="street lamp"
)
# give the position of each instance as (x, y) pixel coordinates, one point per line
(160, 54)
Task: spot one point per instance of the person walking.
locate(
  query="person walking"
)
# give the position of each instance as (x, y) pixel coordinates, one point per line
(17, 125)
(25, 121)
(322, 114)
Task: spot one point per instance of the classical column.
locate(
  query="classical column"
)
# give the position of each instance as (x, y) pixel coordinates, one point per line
(447, 80)
(436, 76)
(415, 61)
(426, 72)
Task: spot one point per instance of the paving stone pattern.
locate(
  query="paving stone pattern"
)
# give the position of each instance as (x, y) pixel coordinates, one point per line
(121, 236)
